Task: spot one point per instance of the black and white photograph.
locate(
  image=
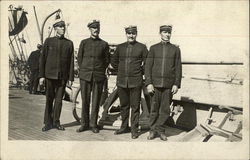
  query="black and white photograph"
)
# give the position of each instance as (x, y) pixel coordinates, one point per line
(124, 80)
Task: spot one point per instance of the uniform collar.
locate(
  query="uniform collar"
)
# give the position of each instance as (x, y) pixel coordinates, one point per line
(60, 37)
(164, 42)
(94, 39)
(131, 43)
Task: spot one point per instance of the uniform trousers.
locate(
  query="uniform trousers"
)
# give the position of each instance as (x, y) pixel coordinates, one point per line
(130, 97)
(160, 109)
(55, 89)
(34, 80)
(86, 88)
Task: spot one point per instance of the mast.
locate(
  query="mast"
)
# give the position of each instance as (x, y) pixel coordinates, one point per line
(37, 23)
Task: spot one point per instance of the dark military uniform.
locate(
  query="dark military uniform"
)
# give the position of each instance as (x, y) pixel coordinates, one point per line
(163, 70)
(57, 66)
(128, 59)
(93, 59)
(33, 62)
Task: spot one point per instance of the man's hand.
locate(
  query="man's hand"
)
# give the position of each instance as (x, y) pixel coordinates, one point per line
(150, 89)
(41, 81)
(70, 84)
(174, 89)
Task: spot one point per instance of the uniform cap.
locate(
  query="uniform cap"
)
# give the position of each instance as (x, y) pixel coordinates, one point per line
(166, 28)
(94, 24)
(58, 22)
(131, 29)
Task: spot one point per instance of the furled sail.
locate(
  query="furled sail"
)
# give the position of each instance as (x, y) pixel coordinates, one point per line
(17, 20)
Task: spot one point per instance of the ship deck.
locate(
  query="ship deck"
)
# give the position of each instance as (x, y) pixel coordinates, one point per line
(26, 121)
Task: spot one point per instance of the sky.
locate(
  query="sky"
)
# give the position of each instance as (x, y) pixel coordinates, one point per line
(205, 31)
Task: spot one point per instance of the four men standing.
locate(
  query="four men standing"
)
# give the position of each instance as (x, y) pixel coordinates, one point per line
(163, 74)
(129, 59)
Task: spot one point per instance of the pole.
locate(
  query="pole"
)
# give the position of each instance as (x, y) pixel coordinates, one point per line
(18, 49)
(22, 54)
(12, 49)
(26, 56)
(50, 31)
(45, 22)
(37, 23)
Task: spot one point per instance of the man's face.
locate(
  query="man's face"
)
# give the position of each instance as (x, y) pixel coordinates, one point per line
(94, 31)
(165, 35)
(60, 30)
(131, 36)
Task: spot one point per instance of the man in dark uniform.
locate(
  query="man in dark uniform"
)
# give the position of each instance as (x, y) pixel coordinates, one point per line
(129, 59)
(163, 74)
(57, 68)
(33, 62)
(93, 59)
